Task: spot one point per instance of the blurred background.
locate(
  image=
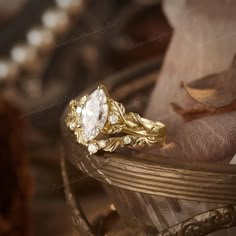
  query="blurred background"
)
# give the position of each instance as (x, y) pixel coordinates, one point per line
(50, 51)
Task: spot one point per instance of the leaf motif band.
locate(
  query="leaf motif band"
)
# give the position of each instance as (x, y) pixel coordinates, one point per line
(100, 123)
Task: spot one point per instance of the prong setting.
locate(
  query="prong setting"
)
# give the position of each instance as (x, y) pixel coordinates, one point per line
(113, 118)
(127, 140)
(92, 148)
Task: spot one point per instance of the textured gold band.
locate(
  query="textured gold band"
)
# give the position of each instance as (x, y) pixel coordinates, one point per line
(101, 123)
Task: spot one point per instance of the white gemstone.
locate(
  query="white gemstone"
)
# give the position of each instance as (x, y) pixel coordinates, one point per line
(92, 148)
(127, 140)
(78, 110)
(102, 143)
(113, 119)
(94, 114)
(72, 125)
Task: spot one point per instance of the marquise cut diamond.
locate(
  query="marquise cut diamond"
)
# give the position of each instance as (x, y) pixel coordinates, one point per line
(94, 114)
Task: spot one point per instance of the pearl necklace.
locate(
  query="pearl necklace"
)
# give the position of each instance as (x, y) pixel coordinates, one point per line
(40, 40)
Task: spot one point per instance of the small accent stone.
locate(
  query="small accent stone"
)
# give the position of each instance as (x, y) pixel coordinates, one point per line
(72, 125)
(127, 140)
(102, 143)
(92, 148)
(113, 119)
(78, 110)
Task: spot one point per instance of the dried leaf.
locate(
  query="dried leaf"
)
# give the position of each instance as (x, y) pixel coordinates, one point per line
(200, 110)
(216, 90)
(112, 144)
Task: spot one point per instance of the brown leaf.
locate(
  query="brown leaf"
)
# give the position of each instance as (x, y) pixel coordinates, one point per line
(216, 90)
(200, 110)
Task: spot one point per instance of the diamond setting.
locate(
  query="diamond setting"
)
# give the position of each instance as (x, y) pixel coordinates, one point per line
(72, 125)
(94, 114)
(102, 143)
(78, 110)
(127, 140)
(113, 119)
(92, 148)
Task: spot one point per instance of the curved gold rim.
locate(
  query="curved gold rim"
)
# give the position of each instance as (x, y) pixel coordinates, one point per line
(202, 224)
(155, 178)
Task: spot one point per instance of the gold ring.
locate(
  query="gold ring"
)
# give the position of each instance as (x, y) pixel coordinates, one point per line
(100, 123)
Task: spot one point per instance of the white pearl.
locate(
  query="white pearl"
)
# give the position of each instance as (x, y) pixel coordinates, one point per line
(41, 38)
(72, 6)
(56, 20)
(8, 70)
(24, 55)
